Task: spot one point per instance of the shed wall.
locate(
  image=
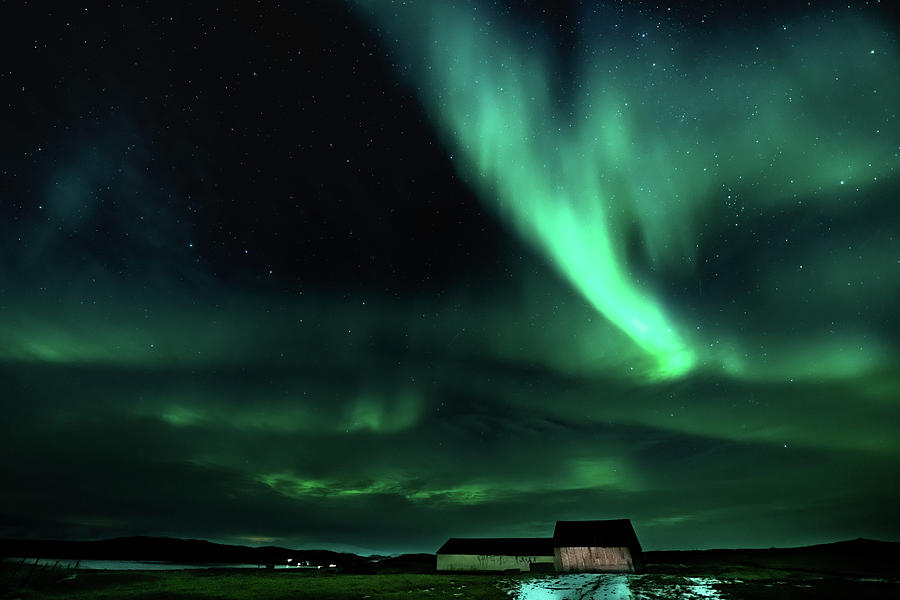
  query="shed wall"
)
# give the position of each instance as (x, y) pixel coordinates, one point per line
(488, 562)
(593, 558)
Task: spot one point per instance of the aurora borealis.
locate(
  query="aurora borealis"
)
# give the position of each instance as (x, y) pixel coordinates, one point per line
(368, 274)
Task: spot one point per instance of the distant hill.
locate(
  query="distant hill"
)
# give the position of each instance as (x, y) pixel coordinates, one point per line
(407, 563)
(852, 557)
(174, 550)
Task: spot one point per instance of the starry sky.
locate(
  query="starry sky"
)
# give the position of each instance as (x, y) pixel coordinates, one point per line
(365, 275)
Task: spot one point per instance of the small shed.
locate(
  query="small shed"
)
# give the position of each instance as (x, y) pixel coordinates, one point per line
(496, 554)
(596, 546)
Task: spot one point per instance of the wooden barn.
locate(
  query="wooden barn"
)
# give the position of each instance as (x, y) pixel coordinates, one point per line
(496, 554)
(596, 546)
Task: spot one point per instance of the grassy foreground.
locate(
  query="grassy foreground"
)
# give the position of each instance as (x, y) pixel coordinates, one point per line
(245, 584)
(726, 583)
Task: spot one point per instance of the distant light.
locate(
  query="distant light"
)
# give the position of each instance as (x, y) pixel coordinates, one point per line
(332, 565)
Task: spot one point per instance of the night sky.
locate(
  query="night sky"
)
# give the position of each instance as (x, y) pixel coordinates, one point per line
(366, 274)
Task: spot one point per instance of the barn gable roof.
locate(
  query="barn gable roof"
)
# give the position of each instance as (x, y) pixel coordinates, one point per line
(499, 546)
(610, 533)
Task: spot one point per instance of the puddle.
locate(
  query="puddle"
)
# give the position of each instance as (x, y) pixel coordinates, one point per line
(593, 586)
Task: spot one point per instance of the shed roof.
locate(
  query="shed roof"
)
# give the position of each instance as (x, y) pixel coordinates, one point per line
(499, 546)
(610, 533)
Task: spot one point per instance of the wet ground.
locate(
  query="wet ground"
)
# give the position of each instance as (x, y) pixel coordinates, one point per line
(588, 586)
(585, 586)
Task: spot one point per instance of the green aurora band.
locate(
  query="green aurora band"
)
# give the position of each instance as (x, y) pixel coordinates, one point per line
(646, 139)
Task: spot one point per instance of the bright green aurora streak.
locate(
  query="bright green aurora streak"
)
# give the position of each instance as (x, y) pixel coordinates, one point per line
(646, 139)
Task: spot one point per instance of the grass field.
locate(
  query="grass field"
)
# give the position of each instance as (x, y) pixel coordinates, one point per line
(241, 584)
(727, 584)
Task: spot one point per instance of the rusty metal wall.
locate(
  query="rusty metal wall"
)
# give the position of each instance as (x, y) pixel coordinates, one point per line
(488, 562)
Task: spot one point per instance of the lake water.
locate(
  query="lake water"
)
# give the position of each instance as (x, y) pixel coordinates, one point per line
(126, 565)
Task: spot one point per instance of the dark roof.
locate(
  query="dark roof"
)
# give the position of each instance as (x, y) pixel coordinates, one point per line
(615, 532)
(504, 546)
